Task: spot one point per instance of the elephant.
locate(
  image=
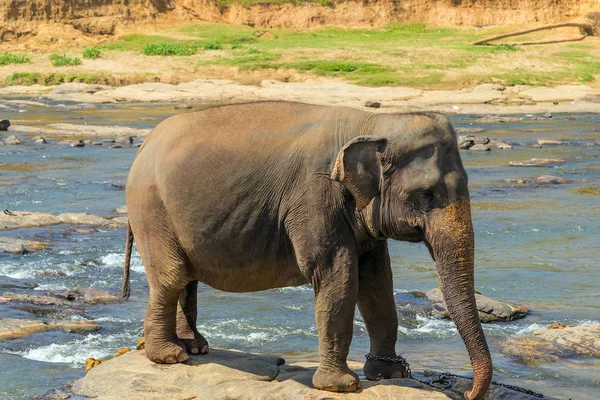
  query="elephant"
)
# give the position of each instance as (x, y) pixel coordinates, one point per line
(261, 195)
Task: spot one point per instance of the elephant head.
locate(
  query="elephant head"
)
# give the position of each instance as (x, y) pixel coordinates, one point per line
(409, 184)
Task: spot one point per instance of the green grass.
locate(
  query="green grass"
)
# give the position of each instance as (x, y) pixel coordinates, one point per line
(9, 58)
(169, 49)
(92, 53)
(29, 78)
(60, 60)
(413, 54)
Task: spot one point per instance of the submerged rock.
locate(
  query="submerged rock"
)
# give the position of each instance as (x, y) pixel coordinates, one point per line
(12, 140)
(89, 296)
(537, 162)
(490, 310)
(11, 283)
(553, 343)
(14, 328)
(20, 246)
(540, 180)
(67, 302)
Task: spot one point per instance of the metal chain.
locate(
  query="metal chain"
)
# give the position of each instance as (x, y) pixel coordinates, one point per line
(441, 382)
(398, 359)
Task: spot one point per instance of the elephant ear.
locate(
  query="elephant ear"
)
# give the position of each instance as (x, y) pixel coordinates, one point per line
(358, 168)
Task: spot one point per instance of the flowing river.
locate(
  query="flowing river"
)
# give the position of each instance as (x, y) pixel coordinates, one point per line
(536, 245)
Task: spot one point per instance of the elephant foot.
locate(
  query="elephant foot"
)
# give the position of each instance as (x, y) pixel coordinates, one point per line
(198, 345)
(336, 381)
(165, 352)
(376, 370)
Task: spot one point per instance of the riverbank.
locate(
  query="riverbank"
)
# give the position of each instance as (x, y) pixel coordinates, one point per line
(482, 99)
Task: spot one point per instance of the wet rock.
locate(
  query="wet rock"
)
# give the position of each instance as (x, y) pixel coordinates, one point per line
(124, 140)
(221, 374)
(547, 115)
(121, 210)
(14, 328)
(540, 180)
(40, 140)
(465, 143)
(495, 119)
(89, 296)
(459, 385)
(116, 146)
(550, 142)
(537, 162)
(12, 140)
(11, 283)
(77, 143)
(24, 219)
(90, 219)
(373, 104)
(4, 124)
(20, 246)
(553, 343)
(500, 144)
(489, 309)
(480, 147)
(182, 107)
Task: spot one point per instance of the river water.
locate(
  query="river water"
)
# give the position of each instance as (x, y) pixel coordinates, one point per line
(536, 245)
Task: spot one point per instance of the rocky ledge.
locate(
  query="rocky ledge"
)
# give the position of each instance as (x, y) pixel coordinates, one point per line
(230, 374)
(25, 219)
(14, 328)
(432, 302)
(553, 343)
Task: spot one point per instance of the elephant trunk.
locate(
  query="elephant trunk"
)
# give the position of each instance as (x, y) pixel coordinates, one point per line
(449, 235)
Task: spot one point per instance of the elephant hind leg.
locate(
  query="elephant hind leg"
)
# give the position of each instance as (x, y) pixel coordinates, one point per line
(187, 313)
(167, 269)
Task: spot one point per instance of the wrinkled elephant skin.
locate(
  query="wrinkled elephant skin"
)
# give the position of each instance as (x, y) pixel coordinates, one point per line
(262, 195)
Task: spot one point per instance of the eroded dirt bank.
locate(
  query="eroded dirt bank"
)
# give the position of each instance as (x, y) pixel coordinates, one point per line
(105, 17)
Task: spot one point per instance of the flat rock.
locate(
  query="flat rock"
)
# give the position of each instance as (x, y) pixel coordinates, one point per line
(550, 142)
(25, 219)
(540, 180)
(77, 87)
(556, 94)
(20, 246)
(226, 374)
(495, 119)
(121, 210)
(89, 296)
(90, 219)
(14, 328)
(490, 310)
(480, 147)
(553, 343)
(537, 162)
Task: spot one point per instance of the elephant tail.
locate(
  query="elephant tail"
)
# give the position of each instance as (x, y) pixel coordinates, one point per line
(126, 289)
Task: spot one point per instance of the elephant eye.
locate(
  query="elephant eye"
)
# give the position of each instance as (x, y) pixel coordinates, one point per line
(426, 204)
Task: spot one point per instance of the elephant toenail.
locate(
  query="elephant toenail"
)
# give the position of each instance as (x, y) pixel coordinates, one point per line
(182, 357)
(194, 350)
(204, 349)
(170, 360)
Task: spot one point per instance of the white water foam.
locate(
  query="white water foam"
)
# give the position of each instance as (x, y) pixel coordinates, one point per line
(115, 260)
(75, 352)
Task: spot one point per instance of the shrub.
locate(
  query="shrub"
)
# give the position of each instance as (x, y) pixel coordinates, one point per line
(169, 49)
(9, 58)
(59, 60)
(213, 46)
(92, 53)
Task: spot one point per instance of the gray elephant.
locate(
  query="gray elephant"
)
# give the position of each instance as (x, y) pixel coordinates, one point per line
(263, 195)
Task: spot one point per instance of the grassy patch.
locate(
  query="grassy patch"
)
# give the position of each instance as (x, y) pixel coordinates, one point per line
(9, 58)
(169, 49)
(92, 53)
(61, 60)
(213, 46)
(27, 78)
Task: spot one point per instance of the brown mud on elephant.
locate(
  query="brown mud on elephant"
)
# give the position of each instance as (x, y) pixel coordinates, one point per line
(262, 195)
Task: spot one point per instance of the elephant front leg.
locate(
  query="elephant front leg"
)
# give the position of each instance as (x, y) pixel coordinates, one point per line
(335, 305)
(187, 313)
(377, 307)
